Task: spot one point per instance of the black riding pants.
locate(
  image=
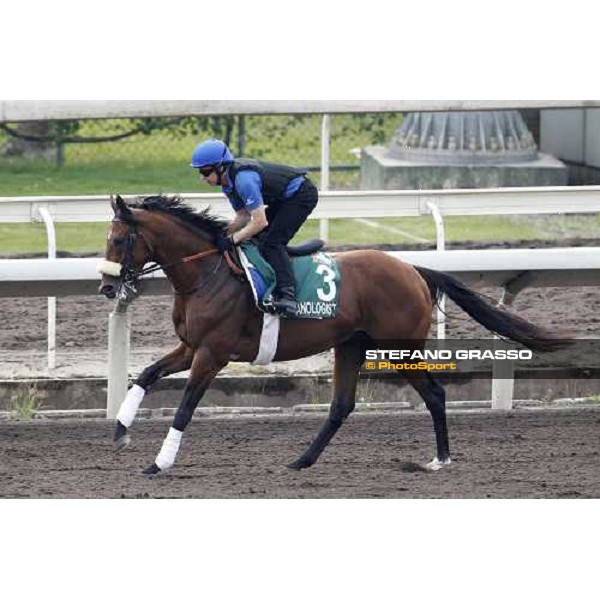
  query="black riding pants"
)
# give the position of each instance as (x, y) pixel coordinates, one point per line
(285, 217)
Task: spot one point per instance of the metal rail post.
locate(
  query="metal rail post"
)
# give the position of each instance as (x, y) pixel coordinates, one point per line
(503, 371)
(441, 247)
(325, 133)
(51, 235)
(118, 352)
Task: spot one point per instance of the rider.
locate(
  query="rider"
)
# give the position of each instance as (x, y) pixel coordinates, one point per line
(269, 199)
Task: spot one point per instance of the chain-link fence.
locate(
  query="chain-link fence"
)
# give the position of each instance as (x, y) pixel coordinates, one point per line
(126, 152)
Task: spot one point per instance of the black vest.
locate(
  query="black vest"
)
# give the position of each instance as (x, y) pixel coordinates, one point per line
(274, 178)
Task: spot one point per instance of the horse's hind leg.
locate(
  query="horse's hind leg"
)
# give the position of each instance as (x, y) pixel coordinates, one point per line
(348, 359)
(434, 396)
(178, 360)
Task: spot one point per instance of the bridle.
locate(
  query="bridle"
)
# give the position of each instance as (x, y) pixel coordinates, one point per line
(129, 276)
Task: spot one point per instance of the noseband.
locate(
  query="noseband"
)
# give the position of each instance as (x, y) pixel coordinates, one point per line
(129, 276)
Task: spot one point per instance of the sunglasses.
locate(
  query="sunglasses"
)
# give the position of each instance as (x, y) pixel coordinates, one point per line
(206, 171)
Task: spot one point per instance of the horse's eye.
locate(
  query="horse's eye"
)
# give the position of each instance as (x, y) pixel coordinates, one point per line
(119, 242)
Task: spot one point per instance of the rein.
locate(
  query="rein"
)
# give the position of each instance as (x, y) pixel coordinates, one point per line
(175, 263)
(189, 259)
(130, 276)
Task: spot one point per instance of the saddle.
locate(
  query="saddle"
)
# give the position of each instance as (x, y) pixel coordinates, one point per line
(316, 274)
(304, 249)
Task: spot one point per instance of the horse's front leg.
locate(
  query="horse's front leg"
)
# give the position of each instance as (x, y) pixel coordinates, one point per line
(348, 359)
(205, 366)
(178, 360)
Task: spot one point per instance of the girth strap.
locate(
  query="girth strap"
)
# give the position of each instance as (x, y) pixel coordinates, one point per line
(232, 265)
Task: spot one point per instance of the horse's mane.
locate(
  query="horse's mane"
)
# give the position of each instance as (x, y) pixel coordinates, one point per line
(175, 206)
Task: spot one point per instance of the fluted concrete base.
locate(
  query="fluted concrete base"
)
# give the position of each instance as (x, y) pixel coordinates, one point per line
(379, 171)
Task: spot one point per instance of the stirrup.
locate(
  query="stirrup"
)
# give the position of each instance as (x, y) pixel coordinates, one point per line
(267, 306)
(286, 307)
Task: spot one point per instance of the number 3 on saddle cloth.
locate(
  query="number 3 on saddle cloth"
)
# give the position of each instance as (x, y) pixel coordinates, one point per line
(317, 276)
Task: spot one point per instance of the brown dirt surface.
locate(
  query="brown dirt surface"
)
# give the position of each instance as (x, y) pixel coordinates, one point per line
(518, 454)
(522, 454)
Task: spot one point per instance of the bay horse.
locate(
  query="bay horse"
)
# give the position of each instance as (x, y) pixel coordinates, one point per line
(217, 321)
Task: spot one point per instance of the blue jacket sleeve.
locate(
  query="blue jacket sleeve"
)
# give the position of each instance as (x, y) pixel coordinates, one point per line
(248, 186)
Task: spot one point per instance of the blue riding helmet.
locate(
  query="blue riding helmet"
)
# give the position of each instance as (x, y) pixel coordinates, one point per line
(211, 153)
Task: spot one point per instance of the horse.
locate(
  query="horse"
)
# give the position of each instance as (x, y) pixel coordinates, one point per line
(217, 321)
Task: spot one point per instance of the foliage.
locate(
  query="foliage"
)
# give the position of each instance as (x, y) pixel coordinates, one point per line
(293, 139)
(367, 389)
(25, 402)
(376, 125)
(314, 390)
(71, 131)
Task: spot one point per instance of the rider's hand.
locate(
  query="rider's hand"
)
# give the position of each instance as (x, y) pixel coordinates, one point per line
(225, 243)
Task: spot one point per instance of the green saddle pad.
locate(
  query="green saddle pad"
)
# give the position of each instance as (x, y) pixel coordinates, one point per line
(318, 282)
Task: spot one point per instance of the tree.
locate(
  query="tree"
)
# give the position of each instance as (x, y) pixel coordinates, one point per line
(44, 139)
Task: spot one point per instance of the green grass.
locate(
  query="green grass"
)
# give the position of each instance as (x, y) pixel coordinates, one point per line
(458, 229)
(18, 178)
(19, 238)
(159, 162)
(24, 403)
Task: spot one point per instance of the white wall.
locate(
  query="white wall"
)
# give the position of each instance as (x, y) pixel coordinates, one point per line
(561, 133)
(571, 134)
(592, 137)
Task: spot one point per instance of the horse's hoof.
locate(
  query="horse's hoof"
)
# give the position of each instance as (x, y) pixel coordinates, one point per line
(122, 443)
(298, 465)
(436, 464)
(151, 471)
(121, 439)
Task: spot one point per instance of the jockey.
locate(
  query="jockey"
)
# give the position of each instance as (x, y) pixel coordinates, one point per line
(268, 199)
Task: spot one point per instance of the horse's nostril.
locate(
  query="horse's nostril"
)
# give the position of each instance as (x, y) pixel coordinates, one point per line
(108, 290)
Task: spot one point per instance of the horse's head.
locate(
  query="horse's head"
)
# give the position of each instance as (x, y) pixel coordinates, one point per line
(126, 252)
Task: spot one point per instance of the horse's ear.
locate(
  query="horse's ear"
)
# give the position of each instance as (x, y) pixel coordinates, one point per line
(121, 209)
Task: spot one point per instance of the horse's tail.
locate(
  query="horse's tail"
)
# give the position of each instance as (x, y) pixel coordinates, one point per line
(495, 319)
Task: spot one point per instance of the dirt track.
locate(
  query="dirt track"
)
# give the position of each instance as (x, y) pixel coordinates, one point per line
(522, 454)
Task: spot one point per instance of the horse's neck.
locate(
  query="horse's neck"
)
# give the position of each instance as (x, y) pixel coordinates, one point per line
(175, 243)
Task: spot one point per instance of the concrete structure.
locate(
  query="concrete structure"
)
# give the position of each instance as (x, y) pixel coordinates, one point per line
(41, 110)
(460, 150)
(573, 136)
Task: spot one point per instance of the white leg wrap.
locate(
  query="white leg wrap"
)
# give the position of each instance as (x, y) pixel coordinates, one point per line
(436, 464)
(130, 405)
(168, 452)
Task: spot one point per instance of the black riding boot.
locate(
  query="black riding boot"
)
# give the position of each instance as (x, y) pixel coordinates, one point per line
(284, 302)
